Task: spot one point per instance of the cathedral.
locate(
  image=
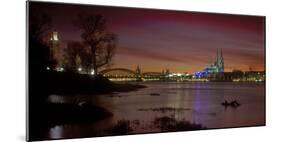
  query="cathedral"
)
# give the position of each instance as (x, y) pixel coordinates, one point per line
(218, 65)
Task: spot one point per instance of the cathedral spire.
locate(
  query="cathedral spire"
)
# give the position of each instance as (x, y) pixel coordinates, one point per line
(217, 57)
(217, 53)
(221, 54)
(221, 62)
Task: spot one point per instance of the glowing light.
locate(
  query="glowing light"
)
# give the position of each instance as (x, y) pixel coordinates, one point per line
(79, 69)
(48, 68)
(93, 72)
(179, 74)
(201, 73)
(60, 69)
(236, 80)
(55, 36)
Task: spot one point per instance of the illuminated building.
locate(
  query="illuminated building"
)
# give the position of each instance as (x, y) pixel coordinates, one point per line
(55, 50)
(217, 66)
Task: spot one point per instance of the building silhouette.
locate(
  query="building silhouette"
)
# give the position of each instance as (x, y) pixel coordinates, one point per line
(218, 65)
(55, 50)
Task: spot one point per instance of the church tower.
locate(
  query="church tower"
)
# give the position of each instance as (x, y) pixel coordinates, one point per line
(55, 50)
(138, 73)
(220, 62)
(218, 65)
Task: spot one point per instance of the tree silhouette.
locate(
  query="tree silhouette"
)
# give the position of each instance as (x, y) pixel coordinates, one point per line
(76, 55)
(95, 34)
(39, 25)
(72, 54)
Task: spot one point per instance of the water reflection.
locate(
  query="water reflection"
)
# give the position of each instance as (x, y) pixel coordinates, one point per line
(200, 103)
(56, 132)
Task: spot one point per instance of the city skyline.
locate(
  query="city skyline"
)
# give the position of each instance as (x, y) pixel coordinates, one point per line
(178, 41)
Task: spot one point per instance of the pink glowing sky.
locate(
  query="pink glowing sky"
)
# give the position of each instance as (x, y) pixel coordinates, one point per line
(179, 41)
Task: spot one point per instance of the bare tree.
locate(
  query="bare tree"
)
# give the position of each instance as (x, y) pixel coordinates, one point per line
(38, 26)
(94, 34)
(76, 55)
(85, 57)
(72, 53)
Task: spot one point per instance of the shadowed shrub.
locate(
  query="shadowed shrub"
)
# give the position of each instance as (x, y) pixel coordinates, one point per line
(171, 124)
(122, 127)
(165, 109)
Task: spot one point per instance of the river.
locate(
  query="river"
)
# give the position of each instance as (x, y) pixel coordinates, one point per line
(196, 102)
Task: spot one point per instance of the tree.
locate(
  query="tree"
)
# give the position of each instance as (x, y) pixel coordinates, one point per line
(76, 55)
(78, 61)
(85, 57)
(102, 43)
(39, 25)
(72, 55)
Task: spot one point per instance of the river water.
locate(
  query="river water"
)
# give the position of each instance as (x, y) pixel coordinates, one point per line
(196, 102)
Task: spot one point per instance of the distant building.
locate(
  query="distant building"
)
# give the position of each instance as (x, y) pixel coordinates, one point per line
(213, 69)
(55, 50)
(218, 65)
(54, 45)
(138, 71)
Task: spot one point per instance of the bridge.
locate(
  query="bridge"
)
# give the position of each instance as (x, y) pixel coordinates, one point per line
(106, 71)
(128, 74)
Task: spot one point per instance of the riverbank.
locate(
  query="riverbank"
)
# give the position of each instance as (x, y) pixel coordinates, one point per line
(73, 83)
(44, 115)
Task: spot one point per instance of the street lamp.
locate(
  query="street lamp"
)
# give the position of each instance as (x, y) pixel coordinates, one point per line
(93, 72)
(79, 69)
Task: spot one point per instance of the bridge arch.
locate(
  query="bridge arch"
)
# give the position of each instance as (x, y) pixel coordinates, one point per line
(118, 69)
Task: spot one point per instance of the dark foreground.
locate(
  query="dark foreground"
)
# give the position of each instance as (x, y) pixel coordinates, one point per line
(158, 107)
(45, 114)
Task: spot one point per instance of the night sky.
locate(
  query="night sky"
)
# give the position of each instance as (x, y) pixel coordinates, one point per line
(179, 41)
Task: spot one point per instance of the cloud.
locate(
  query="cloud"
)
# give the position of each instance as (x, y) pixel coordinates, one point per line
(144, 53)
